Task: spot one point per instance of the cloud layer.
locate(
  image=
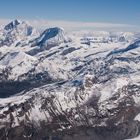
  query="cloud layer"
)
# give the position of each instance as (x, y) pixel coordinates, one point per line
(71, 25)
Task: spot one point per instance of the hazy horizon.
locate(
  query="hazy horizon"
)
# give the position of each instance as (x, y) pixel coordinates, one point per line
(75, 15)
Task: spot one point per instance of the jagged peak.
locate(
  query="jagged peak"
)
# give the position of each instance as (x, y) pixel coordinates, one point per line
(12, 24)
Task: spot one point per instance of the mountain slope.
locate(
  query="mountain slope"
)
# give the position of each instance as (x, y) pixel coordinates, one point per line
(55, 85)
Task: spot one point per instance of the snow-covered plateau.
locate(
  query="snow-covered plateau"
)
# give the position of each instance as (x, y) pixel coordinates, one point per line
(58, 85)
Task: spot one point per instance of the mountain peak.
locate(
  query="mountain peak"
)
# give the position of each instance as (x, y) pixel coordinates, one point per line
(51, 37)
(12, 24)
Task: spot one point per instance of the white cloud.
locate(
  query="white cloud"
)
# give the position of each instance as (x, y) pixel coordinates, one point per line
(72, 25)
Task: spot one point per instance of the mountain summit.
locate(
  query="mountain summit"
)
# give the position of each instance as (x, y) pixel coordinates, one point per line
(16, 32)
(12, 25)
(50, 37)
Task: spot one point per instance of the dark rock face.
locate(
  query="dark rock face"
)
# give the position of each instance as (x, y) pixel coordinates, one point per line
(64, 125)
(9, 87)
(28, 132)
(12, 25)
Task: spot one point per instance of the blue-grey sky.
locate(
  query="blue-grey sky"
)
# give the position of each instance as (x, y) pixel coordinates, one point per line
(97, 11)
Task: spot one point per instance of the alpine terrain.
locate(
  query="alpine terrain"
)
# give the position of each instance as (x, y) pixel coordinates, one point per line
(58, 85)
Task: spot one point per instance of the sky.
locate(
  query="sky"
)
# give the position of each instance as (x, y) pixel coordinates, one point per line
(124, 14)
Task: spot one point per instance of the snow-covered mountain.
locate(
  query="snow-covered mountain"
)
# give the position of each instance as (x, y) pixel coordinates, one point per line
(58, 85)
(16, 32)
